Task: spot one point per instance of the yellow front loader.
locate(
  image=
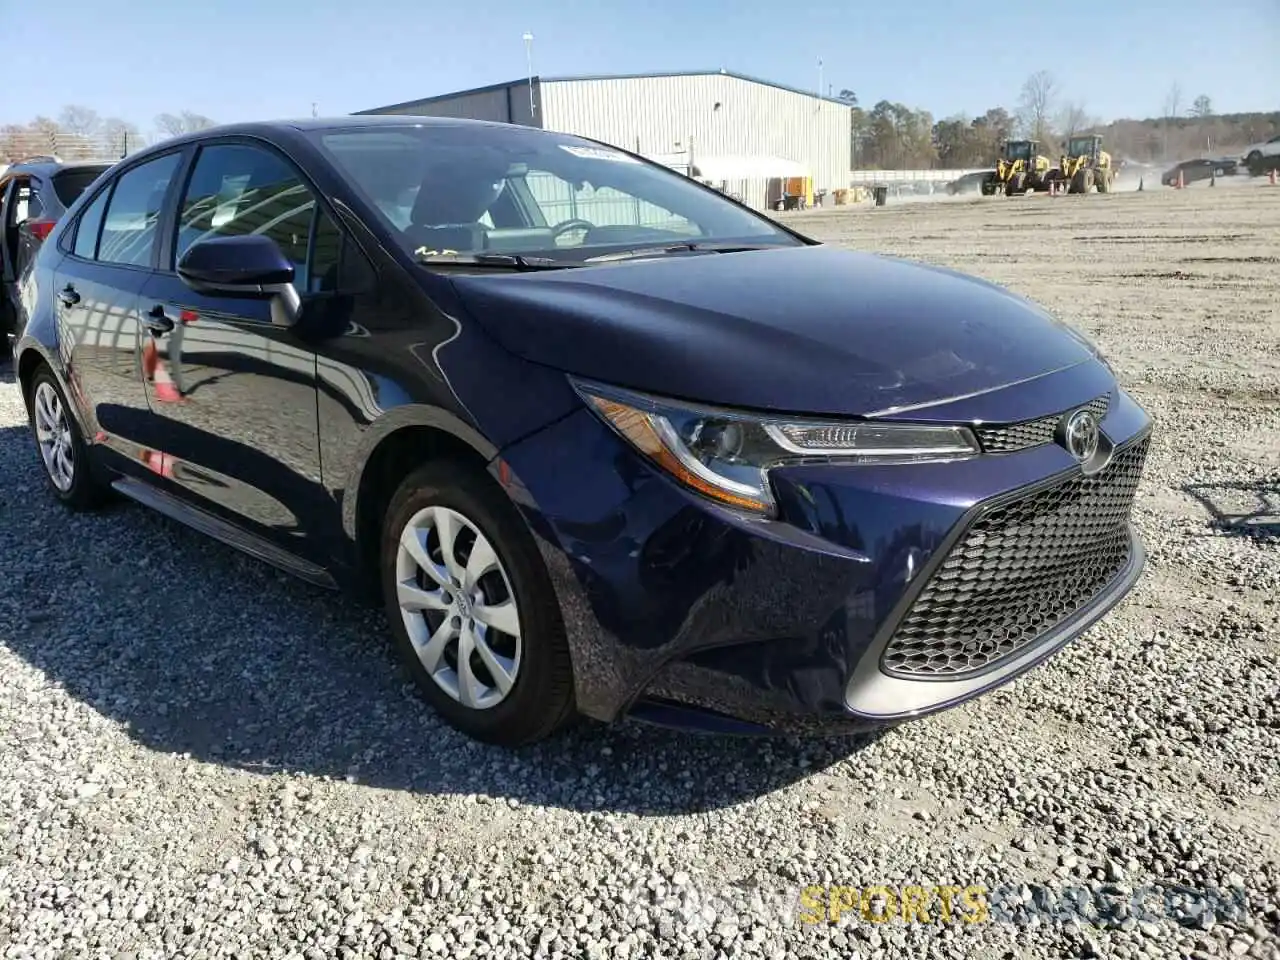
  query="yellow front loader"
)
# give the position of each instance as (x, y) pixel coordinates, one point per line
(1086, 165)
(1019, 169)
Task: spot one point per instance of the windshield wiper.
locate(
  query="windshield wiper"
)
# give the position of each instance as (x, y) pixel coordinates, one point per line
(505, 261)
(692, 246)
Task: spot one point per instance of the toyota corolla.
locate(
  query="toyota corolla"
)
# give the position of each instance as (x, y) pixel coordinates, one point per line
(601, 440)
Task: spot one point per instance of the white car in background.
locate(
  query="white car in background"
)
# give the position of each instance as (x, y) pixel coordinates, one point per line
(1262, 156)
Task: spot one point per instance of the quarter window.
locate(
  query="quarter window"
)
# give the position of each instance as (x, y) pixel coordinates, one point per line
(129, 227)
(90, 226)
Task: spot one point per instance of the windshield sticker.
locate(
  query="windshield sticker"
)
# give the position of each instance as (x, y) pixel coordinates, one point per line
(597, 153)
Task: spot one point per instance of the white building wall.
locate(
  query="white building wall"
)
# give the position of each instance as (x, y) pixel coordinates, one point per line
(662, 115)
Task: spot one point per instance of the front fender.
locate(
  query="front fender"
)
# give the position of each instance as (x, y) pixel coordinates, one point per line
(392, 421)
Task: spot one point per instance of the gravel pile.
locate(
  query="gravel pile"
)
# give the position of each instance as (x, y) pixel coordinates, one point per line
(202, 758)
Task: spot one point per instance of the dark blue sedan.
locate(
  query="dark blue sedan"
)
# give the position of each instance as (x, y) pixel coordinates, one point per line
(601, 440)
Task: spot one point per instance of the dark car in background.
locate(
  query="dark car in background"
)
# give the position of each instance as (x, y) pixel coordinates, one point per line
(600, 440)
(1193, 170)
(969, 183)
(33, 195)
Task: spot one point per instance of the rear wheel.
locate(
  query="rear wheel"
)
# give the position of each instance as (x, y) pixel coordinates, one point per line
(472, 608)
(1104, 181)
(63, 452)
(1017, 185)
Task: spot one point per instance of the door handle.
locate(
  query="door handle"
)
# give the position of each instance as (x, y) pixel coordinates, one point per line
(157, 321)
(68, 296)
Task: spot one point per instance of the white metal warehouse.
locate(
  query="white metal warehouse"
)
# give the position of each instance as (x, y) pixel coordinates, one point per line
(737, 130)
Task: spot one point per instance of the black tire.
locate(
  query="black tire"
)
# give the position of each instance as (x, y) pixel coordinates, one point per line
(1017, 185)
(87, 491)
(541, 699)
(1079, 183)
(1104, 181)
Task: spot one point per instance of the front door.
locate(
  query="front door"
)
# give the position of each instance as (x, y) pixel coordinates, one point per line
(235, 393)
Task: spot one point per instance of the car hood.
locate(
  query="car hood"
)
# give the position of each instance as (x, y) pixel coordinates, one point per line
(800, 329)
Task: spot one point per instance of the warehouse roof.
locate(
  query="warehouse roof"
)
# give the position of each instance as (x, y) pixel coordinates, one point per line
(523, 81)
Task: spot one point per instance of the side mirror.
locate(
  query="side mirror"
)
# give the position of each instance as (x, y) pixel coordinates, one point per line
(251, 266)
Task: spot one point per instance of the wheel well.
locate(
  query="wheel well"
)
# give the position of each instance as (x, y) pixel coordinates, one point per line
(395, 457)
(28, 363)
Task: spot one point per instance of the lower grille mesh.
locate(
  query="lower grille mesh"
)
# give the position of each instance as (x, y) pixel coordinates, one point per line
(1017, 572)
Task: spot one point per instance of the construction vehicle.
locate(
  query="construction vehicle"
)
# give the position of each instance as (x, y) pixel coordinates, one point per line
(1020, 168)
(1086, 165)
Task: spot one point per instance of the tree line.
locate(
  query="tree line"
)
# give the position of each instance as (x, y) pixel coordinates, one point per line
(894, 136)
(887, 136)
(79, 133)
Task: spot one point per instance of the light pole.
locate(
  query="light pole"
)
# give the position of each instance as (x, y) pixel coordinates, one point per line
(817, 130)
(528, 53)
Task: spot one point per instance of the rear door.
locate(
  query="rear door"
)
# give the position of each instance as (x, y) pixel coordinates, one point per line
(109, 255)
(15, 204)
(233, 393)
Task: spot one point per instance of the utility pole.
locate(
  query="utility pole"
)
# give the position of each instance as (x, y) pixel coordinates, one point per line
(528, 53)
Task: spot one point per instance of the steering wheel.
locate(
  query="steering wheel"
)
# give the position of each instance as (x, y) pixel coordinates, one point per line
(564, 226)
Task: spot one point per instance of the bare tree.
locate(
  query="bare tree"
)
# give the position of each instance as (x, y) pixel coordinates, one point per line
(121, 136)
(173, 125)
(1073, 119)
(79, 121)
(1202, 107)
(1035, 105)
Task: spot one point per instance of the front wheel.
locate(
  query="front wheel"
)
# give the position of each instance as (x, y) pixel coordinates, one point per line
(63, 452)
(472, 608)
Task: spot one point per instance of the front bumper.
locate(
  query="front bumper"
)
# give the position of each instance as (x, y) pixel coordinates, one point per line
(682, 611)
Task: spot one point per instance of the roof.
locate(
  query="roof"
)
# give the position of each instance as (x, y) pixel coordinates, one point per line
(262, 128)
(524, 82)
(48, 165)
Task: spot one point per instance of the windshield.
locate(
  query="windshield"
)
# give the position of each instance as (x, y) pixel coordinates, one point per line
(1080, 146)
(1019, 151)
(470, 189)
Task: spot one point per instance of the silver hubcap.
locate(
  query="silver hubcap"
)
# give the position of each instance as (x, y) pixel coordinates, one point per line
(53, 434)
(458, 607)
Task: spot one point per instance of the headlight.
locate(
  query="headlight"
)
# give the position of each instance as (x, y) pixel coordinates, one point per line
(726, 455)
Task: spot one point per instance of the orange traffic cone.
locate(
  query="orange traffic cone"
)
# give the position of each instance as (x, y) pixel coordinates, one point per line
(159, 462)
(1271, 177)
(1180, 183)
(166, 390)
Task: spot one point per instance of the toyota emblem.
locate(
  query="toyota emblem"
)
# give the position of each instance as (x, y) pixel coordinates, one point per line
(1081, 435)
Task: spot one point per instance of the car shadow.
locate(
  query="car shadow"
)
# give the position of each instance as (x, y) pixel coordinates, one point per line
(7, 372)
(1244, 509)
(197, 650)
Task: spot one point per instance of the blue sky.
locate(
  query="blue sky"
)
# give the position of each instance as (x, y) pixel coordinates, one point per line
(255, 59)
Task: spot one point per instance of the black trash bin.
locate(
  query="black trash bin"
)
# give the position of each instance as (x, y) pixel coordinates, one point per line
(881, 195)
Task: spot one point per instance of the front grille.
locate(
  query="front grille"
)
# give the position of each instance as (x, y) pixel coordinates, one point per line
(1006, 438)
(1017, 572)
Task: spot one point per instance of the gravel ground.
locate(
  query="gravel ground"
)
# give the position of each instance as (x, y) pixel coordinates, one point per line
(202, 758)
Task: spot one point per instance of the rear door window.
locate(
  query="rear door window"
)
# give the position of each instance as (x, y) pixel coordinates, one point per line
(129, 227)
